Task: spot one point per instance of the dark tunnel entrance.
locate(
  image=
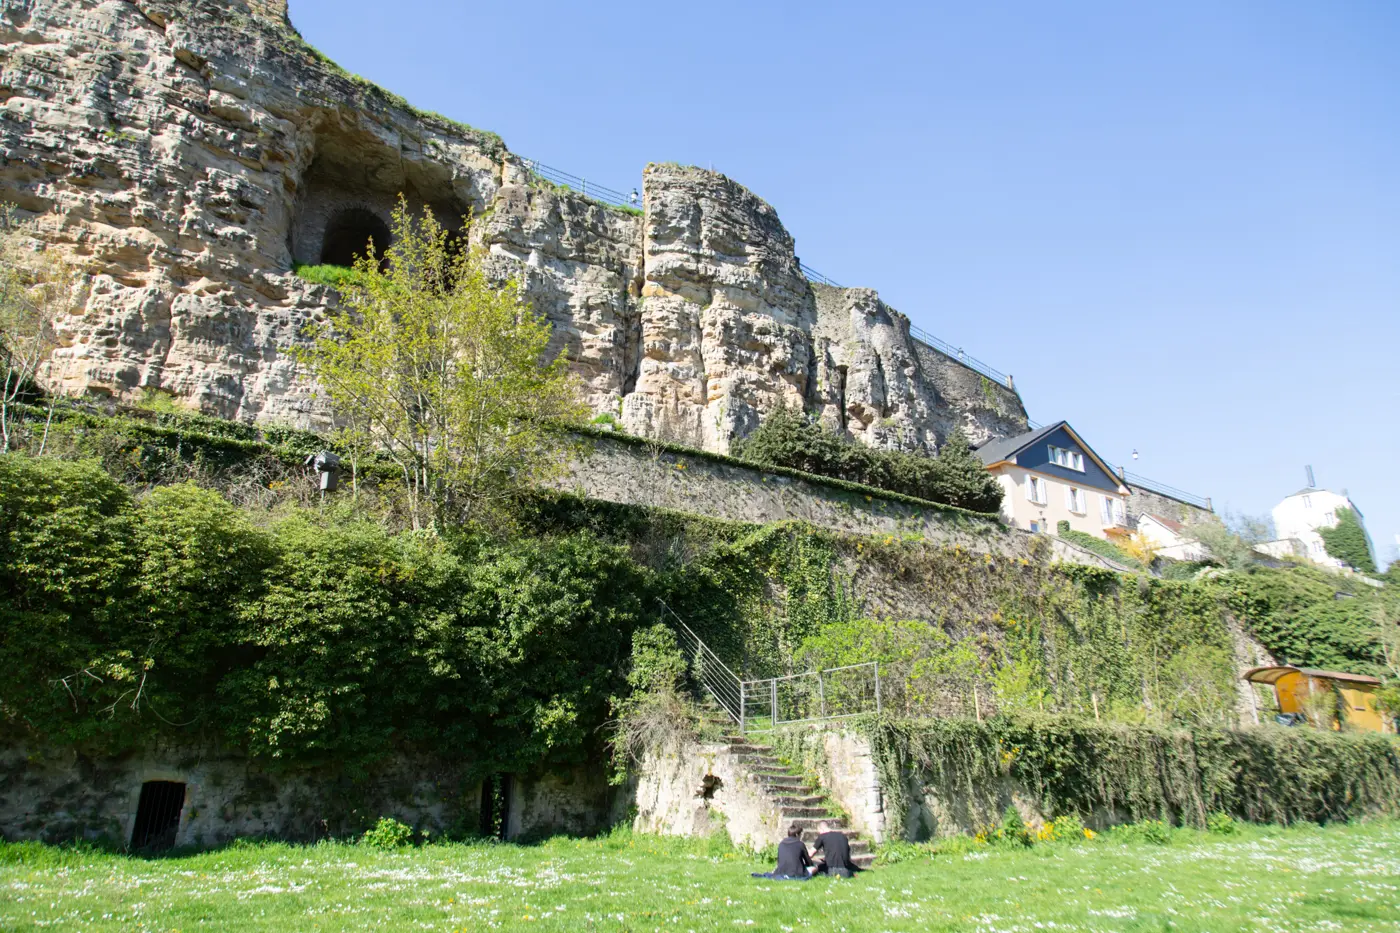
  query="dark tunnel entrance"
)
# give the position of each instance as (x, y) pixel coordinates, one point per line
(349, 234)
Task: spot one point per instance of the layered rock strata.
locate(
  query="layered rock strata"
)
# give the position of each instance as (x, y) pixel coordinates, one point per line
(187, 155)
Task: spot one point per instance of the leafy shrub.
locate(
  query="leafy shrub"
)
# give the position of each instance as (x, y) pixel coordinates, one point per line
(310, 638)
(1307, 616)
(334, 276)
(895, 851)
(1066, 828)
(1013, 829)
(1102, 548)
(1154, 832)
(1222, 824)
(388, 833)
(655, 713)
(789, 438)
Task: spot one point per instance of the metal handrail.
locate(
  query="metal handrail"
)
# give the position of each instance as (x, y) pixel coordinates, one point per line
(816, 276)
(766, 690)
(957, 353)
(578, 183)
(721, 683)
(733, 694)
(1171, 492)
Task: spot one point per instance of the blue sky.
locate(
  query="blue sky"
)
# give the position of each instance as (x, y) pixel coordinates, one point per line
(1177, 225)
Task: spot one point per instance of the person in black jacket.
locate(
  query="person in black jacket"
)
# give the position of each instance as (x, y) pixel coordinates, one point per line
(794, 863)
(836, 852)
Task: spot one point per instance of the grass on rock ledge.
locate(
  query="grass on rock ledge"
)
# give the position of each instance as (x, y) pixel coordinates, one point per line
(1344, 877)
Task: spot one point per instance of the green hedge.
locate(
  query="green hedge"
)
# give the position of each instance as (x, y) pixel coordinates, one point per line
(310, 636)
(1268, 775)
(956, 477)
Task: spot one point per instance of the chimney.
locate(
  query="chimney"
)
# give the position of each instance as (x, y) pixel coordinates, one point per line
(1312, 483)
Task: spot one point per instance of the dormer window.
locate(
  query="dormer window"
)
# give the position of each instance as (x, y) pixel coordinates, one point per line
(1307, 502)
(1069, 459)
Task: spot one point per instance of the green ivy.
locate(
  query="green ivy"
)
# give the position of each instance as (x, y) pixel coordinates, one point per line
(1136, 773)
(1347, 542)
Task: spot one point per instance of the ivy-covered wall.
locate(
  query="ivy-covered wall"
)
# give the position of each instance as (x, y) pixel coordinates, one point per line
(186, 580)
(956, 775)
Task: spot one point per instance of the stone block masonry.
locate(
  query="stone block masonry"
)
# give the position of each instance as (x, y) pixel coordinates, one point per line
(655, 476)
(59, 794)
(185, 154)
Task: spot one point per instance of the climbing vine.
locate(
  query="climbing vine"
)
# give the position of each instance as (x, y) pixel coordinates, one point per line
(1124, 772)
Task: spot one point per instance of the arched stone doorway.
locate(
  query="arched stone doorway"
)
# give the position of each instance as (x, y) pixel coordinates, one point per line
(349, 233)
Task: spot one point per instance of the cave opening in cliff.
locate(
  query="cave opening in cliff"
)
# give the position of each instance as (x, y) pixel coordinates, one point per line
(158, 816)
(350, 233)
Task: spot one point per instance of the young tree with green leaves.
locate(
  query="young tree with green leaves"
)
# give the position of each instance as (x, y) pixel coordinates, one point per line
(36, 287)
(1347, 542)
(444, 371)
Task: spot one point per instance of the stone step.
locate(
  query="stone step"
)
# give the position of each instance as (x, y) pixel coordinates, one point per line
(808, 824)
(862, 861)
(784, 781)
(800, 800)
(749, 747)
(796, 813)
(779, 777)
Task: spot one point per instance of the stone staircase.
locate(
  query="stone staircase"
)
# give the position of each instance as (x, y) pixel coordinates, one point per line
(797, 800)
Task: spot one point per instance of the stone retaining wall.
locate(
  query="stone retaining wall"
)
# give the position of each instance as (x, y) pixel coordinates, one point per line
(60, 794)
(617, 470)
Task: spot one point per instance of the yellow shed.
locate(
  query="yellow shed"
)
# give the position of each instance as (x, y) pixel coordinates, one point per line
(1294, 685)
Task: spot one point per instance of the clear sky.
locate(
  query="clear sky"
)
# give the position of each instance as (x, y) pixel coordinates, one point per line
(1176, 224)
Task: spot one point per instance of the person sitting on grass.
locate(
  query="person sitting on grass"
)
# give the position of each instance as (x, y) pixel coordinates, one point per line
(836, 852)
(794, 864)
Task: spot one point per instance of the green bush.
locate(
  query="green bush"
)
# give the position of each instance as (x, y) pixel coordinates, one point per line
(388, 833)
(789, 438)
(1102, 548)
(1154, 832)
(334, 276)
(1067, 828)
(1221, 824)
(1013, 829)
(314, 637)
(1307, 616)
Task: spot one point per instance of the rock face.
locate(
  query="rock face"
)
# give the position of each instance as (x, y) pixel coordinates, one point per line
(187, 154)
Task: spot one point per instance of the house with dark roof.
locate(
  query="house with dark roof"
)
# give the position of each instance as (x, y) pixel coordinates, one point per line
(1050, 475)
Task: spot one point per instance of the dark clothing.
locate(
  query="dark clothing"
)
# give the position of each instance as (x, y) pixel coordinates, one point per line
(836, 850)
(792, 858)
(774, 876)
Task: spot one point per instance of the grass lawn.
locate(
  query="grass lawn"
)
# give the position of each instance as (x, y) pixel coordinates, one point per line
(1262, 879)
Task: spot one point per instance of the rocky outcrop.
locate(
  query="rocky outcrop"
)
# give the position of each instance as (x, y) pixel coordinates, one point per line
(188, 153)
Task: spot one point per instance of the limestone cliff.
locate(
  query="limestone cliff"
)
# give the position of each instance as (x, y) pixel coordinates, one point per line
(186, 153)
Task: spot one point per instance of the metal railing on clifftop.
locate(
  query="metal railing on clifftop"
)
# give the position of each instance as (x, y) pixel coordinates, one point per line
(589, 189)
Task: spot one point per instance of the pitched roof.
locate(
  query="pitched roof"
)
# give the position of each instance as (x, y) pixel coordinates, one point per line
(1271, 674)
(1006, 447)
(1169, 523)
(995, 451)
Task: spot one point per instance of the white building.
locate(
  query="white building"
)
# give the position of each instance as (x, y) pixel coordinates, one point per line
(1297, 518)
(1170, 537)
